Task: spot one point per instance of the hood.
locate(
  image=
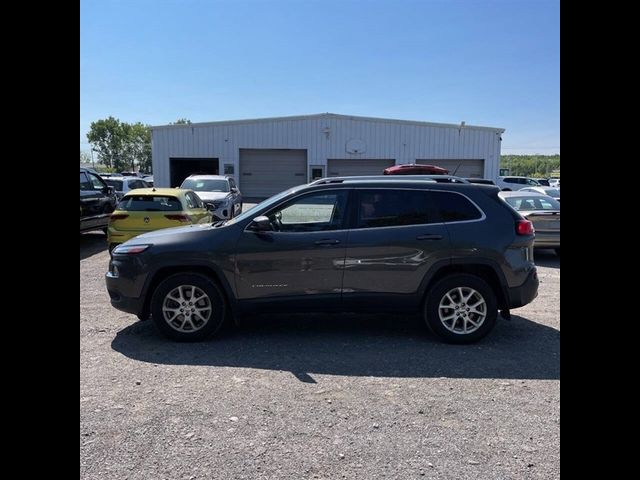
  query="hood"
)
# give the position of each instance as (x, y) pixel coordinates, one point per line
(205, 196)
(165, 232)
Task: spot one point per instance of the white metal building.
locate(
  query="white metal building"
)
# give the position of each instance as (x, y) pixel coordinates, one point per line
(268, 155)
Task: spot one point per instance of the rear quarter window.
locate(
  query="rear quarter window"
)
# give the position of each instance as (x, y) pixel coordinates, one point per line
(454, 207)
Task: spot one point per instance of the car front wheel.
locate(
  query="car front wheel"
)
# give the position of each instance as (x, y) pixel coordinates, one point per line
(188, 307)
(461, 308)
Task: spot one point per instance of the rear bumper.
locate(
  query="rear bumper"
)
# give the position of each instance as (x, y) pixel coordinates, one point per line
(525, 293)
(121, 236)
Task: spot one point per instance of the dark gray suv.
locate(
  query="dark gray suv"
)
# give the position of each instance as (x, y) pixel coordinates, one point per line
(455, 252)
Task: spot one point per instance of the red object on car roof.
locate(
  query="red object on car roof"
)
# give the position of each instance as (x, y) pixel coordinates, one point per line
(415, 169)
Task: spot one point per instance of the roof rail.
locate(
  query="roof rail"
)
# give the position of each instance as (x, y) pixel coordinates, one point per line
(361, 178)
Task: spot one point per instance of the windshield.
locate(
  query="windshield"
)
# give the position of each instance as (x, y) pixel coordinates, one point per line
(150, 203)
(117, 184)
(203, 185)
(533, 203)
(552, 192)
(266, 203)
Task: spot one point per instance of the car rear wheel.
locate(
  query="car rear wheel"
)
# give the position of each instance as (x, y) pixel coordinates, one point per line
(461, 309)
(188, 307)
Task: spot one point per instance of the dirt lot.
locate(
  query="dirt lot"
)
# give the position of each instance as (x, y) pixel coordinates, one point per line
(317, 396)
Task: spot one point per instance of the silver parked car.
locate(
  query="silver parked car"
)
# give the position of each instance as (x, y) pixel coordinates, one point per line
(124, 185)
(515, 183)
(219, 192)
(549, 191)
(541, 210)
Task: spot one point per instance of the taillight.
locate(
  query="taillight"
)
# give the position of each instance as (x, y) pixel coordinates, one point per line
(181, 218)
(118, 216)
(524, 227)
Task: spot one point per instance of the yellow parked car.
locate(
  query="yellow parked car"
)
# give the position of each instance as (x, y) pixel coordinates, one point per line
(145, 209)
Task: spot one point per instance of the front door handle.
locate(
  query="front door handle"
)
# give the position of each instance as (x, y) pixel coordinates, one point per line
(327, 242)
(429, 237)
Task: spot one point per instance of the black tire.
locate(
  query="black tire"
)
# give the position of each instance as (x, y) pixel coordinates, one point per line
(438, 291)
(557, 250)
(217, 303)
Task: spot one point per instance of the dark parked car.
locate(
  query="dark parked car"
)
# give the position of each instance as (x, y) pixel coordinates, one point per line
(455, 252)
(97, 201)
(415, 169)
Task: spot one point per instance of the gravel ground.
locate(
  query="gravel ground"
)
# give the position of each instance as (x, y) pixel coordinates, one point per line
(317, 396)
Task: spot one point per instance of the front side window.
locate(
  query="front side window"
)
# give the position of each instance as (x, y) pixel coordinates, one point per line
(311, 213)
(454, 207)
(387, 208)
(532, 182)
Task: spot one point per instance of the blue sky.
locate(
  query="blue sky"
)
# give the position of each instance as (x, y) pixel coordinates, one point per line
(487, 62)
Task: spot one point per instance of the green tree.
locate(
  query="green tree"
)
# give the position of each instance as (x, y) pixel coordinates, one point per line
(530, 165)
(138, 147)
(120, 145)
(181, 121)
(108, 137)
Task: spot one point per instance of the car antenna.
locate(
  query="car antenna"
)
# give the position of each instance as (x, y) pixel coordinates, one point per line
(454, 172)
(153, 189)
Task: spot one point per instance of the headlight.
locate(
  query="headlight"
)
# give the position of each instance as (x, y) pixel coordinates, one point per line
(130, 249)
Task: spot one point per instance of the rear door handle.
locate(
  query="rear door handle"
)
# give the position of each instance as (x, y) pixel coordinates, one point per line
(429, 237)
(327, 242)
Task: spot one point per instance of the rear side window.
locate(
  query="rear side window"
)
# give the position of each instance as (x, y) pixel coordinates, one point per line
(193, 201)
(454, 207)
(150, 203)
(136, 184)
(387, 208)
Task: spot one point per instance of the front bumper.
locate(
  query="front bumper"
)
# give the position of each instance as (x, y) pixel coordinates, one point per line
(525, 293)
(125, 284)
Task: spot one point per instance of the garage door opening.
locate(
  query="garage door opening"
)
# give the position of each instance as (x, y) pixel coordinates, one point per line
(181, 168)
(460, 168)
(265, 172)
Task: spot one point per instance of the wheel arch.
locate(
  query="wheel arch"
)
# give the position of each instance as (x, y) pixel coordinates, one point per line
(167, 270)
(484, 269)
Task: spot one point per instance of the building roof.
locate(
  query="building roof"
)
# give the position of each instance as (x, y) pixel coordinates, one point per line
(328, 116)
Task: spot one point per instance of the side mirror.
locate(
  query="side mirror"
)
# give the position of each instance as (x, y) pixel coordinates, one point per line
(234, 189)
(210, 206)
(110, 190)
(261, 224)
